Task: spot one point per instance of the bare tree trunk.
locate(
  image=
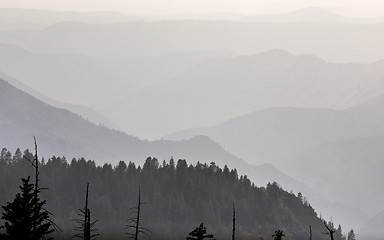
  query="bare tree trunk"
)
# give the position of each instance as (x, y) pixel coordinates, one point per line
(310, 232)
(138, 217)
(331, 231)
(134, 222)
(36, 166)
(86, 217)
(233, 221)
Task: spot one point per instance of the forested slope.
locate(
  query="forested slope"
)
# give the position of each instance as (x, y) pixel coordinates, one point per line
(178, 198)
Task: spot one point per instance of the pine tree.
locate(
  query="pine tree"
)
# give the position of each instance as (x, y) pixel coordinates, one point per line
(200, 233)
(351, 235)
(278, 235)
(25, 217)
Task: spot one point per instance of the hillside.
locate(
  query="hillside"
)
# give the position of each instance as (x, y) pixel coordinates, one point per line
(178, 198)
(85, 112)
(224, 88)
(62, 133)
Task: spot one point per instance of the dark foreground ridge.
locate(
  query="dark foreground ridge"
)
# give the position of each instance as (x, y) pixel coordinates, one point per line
(176, 197)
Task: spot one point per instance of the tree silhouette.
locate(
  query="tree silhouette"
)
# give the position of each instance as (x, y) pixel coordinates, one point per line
(134, 221)
(278, 235)
(25, 218)
(233, 221)
(331, 231)
(199, 233)
(85, 229)
(351, 235)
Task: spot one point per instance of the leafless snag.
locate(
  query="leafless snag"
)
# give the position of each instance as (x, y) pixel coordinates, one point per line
(134, 222)
(233, 221)
(330, 231)
(85, 228)
(35, 164)
(310, 232)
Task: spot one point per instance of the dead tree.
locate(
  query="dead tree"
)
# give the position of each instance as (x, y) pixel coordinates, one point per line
(233, 221)
(310, 232)
(134, 221)
(85, 229)
(278, 235)
(330, 231)
(35, 164)
(199, 233)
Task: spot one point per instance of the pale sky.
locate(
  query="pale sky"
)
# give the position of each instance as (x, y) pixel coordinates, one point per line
(349, 8)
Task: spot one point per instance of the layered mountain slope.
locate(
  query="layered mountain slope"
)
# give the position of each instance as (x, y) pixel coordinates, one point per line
(334, 42)
(60, 132)
(256, 136)
(95, 82)
(85, 112)
(224, 88)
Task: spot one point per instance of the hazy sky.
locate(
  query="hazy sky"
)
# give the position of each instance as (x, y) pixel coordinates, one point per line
(356, 8)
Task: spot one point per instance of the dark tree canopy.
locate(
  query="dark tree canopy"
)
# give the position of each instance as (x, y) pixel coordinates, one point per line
(178, 195)
(25, 218)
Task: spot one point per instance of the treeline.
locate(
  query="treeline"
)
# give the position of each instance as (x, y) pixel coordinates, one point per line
(177, 197)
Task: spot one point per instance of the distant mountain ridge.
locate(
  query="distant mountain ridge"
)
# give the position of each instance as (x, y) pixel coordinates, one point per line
(223, 88)
(95, 82)
(19, 18)
(153, 38)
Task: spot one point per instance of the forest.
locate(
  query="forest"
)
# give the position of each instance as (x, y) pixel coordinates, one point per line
(175, 198)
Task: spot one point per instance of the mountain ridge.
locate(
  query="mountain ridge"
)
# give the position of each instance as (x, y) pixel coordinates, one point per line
(229, 87)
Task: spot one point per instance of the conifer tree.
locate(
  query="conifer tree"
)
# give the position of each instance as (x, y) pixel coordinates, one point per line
(351, 235)
(200, 233)
(25, 217)
(278, 235)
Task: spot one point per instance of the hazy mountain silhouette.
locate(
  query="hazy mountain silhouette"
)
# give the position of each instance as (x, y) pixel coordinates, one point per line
(20, 18)
(292, 129)
(349, 166)
(223, 88)
(311, 14)
(85, 112)
(92, 81)
(153, 38)
(373, 229)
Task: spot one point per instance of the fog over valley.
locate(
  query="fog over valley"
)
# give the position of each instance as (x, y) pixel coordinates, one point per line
(253, 119)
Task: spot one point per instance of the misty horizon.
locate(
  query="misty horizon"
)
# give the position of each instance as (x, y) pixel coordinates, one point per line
(286, 92)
